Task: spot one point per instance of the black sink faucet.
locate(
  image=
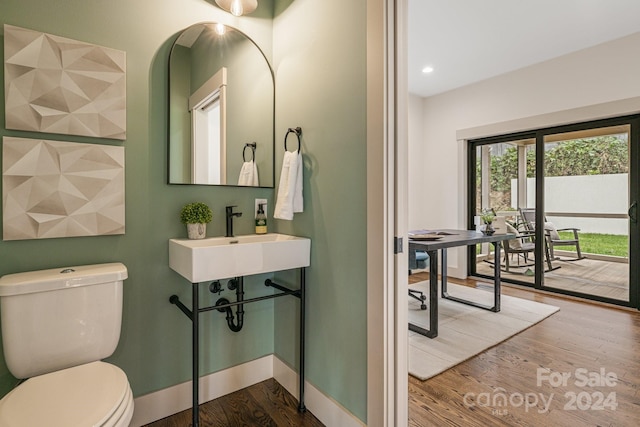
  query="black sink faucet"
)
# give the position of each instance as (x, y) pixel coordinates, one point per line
(230, 215)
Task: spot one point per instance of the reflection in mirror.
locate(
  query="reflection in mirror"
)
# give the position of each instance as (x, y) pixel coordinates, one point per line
(221, 98)
(208, 124)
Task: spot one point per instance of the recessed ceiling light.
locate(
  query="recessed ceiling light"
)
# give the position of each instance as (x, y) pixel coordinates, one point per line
(427, 70)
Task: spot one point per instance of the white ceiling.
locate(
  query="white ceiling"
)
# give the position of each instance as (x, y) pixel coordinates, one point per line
(467, 41)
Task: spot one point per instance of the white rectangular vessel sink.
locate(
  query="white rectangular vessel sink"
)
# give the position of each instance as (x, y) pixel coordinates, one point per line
(224, 257)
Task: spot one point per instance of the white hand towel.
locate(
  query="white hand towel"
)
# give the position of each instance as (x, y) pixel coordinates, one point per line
(249, 174)
(289, 198)
(297, 194)
(255, 182)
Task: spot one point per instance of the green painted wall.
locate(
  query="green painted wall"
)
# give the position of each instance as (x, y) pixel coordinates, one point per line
(319, 55)
(320, 63)
(155, 345)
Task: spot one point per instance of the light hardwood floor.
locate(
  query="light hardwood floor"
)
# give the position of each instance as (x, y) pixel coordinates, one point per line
(581, 340)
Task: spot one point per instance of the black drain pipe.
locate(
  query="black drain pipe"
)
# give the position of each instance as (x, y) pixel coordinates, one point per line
(237, 284)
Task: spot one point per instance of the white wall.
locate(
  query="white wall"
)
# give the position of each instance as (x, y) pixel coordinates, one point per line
(417, 159)
(604, 79)
(596, 194)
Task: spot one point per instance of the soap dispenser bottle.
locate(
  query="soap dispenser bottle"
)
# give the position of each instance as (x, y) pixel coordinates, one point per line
(261, 220)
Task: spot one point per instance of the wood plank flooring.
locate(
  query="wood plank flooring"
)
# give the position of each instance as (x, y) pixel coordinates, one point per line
(581, 336)
(265, 404)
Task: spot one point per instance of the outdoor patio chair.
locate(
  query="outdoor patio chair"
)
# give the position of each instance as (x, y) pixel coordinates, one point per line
(552, 236)
(521, 246)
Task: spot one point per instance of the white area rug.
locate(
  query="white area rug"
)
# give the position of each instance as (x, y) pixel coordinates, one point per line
(463, 330)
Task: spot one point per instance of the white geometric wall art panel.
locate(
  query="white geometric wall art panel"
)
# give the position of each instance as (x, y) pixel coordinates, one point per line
(57, 85)
(61, 189)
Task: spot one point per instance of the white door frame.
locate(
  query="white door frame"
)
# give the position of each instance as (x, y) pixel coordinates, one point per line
(400, 180)
(387, 95)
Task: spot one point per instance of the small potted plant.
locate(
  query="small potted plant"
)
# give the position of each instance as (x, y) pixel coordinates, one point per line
(487, 216)
(196, 215)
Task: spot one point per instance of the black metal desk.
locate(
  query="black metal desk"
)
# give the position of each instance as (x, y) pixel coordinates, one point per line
(450, 239)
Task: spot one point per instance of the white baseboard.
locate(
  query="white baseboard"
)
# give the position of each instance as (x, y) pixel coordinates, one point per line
(327, 410)
(163, 403)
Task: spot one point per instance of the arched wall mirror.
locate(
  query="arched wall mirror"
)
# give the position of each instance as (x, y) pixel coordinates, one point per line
(221, 109)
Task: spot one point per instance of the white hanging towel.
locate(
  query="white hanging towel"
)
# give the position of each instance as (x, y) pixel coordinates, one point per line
(249, 174)
(290, 189)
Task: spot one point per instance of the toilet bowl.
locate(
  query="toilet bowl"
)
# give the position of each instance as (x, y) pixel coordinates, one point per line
(57, 325)
(95, 394)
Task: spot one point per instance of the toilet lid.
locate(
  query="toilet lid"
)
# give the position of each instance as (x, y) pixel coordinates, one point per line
(85, 395)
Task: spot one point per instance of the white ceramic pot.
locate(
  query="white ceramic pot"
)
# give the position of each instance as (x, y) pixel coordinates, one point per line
(197, 231)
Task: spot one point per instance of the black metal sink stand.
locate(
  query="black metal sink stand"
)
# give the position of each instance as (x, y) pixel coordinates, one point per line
(196, 310)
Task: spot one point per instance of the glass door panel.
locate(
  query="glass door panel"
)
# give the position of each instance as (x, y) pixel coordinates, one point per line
(504, 182)
(586, 199)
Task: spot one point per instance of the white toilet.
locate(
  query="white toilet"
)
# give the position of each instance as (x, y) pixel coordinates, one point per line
(56, 327)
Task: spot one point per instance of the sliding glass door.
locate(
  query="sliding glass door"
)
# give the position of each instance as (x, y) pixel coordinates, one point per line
(569, 195)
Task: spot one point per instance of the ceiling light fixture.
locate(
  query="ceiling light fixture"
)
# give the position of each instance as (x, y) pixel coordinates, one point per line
(427, 70)
(238, 7)
(220, 29)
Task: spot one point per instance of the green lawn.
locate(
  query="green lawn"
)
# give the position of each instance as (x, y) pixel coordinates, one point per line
(594, 243)
(603, 244)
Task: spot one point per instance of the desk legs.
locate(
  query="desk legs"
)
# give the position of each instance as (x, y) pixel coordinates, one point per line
(496, 279)
(496, 283)
(432, 332)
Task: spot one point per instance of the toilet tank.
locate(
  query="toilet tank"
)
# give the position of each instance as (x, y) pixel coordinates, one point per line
(58, 318)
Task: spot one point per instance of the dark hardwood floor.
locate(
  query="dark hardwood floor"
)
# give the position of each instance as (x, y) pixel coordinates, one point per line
(587, 343)
(265, 404)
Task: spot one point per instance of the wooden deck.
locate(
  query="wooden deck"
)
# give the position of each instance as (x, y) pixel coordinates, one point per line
(593, 277)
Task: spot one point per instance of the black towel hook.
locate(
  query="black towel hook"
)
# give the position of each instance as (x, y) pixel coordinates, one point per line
(253, 146)
(298, 132)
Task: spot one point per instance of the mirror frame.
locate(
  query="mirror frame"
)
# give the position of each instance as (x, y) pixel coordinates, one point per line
(273, 106)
